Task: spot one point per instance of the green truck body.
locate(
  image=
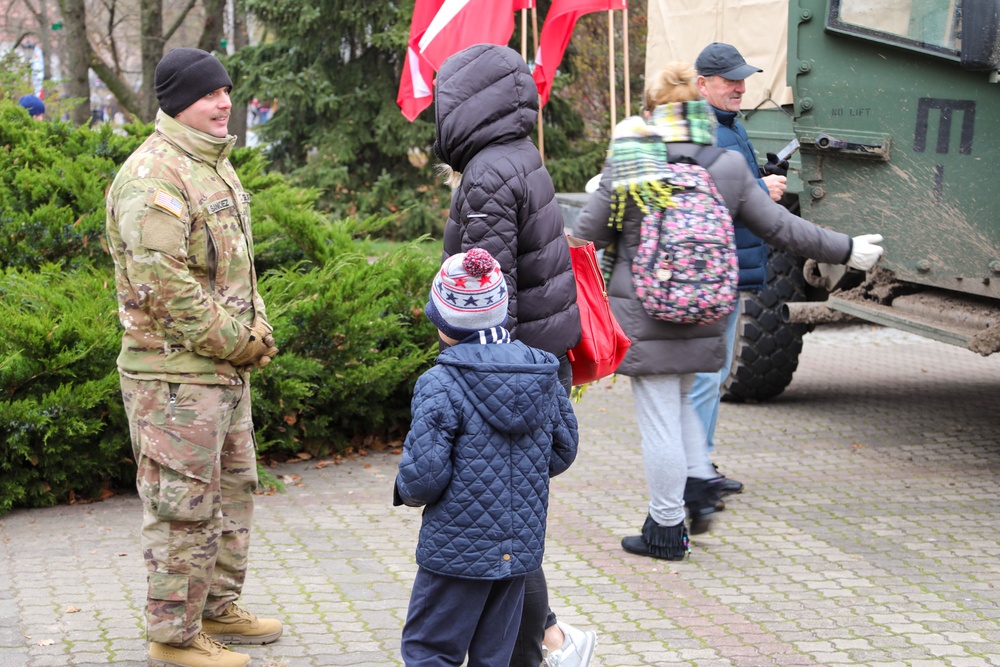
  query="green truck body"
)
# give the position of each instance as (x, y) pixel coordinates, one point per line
(896, 108)
(897, 111)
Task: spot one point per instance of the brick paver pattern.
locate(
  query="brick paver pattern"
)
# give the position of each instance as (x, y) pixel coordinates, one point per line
(868, 535)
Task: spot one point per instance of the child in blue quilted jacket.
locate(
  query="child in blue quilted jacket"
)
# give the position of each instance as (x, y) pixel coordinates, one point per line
(491, 424)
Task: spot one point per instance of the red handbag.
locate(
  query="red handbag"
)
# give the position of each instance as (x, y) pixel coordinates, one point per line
(603, 344)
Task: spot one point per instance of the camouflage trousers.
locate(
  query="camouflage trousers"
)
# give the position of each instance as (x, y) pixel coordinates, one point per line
(197, 470)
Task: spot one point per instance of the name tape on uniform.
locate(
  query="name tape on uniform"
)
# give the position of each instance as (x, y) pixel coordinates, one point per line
(217, 206)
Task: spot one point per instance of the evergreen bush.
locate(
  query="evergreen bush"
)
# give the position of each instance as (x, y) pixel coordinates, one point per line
(353, 340)
(52, 182)
(62, 426)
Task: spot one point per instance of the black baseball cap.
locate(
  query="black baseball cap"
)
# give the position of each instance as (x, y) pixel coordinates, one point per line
(718, 59)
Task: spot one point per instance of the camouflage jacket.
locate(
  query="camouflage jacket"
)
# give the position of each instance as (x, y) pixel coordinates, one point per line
(178, 228)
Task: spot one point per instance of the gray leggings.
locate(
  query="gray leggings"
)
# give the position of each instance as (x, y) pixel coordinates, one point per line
(673, 442)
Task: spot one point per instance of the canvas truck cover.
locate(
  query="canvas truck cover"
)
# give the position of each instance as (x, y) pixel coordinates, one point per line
(680, 29)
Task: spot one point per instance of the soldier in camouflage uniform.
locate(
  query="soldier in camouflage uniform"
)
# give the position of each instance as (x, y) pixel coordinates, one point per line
(178, 227)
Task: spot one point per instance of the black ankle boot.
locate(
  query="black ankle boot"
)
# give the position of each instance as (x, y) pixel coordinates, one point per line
(702, 501)
(656, 541)
(726, 485)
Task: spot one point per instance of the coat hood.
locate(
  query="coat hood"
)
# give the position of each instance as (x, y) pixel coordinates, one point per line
(510, 384)
(482, 95)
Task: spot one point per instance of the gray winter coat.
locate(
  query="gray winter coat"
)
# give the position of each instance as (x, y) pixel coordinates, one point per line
(486, 105)
(664, 347)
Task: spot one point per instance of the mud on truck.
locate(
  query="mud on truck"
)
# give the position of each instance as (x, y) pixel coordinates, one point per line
(896, 108)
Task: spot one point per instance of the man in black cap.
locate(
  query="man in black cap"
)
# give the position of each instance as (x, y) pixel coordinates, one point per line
(721, 82)
(178, 228)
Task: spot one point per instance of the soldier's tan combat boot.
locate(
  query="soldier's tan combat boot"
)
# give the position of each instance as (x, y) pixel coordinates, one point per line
(238, 626)
(202, 652)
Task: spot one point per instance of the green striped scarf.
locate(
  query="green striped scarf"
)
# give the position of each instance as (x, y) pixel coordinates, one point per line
(639, 153)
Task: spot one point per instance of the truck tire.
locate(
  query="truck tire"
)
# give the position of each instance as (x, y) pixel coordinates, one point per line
(767, 348)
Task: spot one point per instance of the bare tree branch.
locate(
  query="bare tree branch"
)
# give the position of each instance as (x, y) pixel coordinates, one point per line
(112, 8)
(213, 28)
(128, 100)
(180, 20)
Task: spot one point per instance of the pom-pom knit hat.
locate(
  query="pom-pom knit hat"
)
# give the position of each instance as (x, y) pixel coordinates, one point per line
(468, 295)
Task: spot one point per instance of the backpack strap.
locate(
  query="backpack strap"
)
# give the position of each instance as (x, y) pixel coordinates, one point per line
(705, 157)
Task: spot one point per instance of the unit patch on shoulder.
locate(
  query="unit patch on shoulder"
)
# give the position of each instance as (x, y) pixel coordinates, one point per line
(168, 203)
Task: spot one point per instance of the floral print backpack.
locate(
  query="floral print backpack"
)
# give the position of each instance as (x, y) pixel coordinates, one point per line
(685, 269)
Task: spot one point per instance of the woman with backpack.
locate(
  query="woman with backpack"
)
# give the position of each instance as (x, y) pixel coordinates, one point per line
(665, 355)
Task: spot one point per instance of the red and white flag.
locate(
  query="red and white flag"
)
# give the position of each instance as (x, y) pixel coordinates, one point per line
(442, 28)
(556, 31)
(415, 86)
(459, 24)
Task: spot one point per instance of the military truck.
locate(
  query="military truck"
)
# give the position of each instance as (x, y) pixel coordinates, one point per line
(896, 108)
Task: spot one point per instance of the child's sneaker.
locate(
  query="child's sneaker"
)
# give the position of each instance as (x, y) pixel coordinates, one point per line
(576, 651)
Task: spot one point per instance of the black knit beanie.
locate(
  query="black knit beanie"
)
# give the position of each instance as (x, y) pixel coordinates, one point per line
(184, 76)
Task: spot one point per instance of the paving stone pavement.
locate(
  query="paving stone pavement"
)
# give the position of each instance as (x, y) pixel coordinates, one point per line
(869, 535)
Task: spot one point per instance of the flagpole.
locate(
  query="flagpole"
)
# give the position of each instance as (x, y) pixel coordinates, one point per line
(628, 96)
(611, 65)
(541, 126)
(524, 34)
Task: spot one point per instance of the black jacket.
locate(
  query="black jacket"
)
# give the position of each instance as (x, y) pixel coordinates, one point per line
(486, 105)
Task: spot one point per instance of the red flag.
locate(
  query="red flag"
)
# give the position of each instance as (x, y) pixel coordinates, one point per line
(459, 24)
(524, 4)
(559, 24)
(415, 93)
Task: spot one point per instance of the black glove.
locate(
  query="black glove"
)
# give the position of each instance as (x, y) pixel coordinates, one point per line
(774, 167)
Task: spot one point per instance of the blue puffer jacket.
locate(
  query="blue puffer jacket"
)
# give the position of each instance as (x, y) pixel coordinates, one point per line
(491, 424)
(751, 251)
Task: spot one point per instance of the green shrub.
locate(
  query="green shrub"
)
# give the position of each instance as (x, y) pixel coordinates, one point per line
(353, 340)
(350, 327)
(61, 421)
(52, 182)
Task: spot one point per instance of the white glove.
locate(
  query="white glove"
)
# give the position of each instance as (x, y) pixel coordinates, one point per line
(864, 252)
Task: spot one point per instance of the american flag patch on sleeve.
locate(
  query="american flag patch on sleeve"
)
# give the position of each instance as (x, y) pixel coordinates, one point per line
(168, 203)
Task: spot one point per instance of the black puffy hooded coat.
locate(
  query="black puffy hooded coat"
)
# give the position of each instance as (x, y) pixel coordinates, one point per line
(486, 105)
